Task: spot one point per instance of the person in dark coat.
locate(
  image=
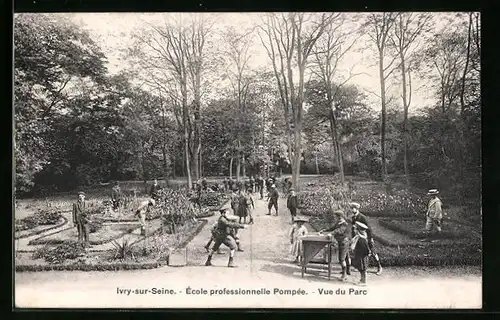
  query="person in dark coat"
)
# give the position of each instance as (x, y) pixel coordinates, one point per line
(155, 189)
(340, 231)
(116, 196)
(223, 236)
(359, 217)
(251, 183)
(273, 199)
(260, 186)
(80, 219)
(361, 250)
(204, 184)
(225, 182)
(292, 204)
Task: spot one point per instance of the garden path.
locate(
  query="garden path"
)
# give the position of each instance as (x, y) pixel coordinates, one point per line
(264, 264)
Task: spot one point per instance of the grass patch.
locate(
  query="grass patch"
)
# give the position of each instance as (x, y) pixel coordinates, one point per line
(414, 228)
(40, 229)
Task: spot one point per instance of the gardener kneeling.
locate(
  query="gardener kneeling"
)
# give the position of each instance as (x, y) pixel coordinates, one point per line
(223, 236)
(141, 213)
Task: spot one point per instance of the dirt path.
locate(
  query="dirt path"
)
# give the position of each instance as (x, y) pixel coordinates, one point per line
(264, 265)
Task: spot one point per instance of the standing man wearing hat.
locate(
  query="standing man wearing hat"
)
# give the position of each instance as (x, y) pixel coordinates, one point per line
(273, 200)
(340, 231)
(80, 219)
(359, 217)
(292, 203)
(223, 236)
(434, 212)
(141, 213)
(116, 196)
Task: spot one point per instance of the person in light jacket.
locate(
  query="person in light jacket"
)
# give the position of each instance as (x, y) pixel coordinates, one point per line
(434, 212)
(297, 231)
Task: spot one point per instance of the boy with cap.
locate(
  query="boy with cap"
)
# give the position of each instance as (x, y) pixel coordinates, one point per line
(273, 200)
(359, 217)
(223, 236)
(297, 231)
(434, 212)
(141, 213)
(360, 247)
(340, 231)
(80, 219)
(292, 203)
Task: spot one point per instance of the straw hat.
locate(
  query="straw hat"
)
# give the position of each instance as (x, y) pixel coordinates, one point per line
(232, 217)
(361, 226)
(432, 192)
(81, 193)
(300, 219)
(355, 205)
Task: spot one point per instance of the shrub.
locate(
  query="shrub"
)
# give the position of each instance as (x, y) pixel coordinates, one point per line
(60, 253)
(400, 203)
(95, 225)
(213, 199)
(40, 217)
(123, 250)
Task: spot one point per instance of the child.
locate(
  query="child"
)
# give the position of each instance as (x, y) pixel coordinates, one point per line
(298, 230)
(359, 246)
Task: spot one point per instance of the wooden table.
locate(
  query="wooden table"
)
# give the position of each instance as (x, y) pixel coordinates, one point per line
(312, 244)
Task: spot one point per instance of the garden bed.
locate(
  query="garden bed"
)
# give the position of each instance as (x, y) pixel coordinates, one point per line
(398, 249)
(414, 228)
(40, 229)
(148, 253)
(106, 234)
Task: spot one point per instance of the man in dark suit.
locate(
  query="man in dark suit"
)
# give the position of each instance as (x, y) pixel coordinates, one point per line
(80, 219)
(358, 216)
(292, 203)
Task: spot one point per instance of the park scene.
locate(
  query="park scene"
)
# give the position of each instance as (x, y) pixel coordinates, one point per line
(248, 150)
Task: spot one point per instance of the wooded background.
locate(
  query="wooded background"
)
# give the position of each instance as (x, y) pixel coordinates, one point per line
(77, 124)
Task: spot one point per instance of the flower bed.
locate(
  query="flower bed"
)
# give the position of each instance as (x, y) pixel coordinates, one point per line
(106, 234)
(147, 254)
(401, 203)
(213, 199)
(414, 228)
(40, 229)
(39, 218)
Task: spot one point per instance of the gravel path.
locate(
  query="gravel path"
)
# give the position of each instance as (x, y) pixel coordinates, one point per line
(264, 265)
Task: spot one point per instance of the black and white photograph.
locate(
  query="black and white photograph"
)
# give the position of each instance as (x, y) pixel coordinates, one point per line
(251, 160)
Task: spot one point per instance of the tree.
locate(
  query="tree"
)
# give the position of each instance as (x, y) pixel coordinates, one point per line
(289, 39)
(237, 56)
(379, 26)
(175, 52)
(330, 49)
(408, 27)
(50, 55)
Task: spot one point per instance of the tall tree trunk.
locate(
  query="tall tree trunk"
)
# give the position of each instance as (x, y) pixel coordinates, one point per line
(297, 154)
(143, 166)
(231, 168)
(238, 161)
(244, 167)
(185, 120)
(464, 75)
(405, 119)
(336, 143)
(316, 162)
(383, 115)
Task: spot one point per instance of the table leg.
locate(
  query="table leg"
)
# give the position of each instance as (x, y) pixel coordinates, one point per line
(303, 264)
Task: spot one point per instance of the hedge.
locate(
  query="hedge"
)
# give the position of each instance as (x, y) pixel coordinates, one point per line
(90, 267)
(34, 233)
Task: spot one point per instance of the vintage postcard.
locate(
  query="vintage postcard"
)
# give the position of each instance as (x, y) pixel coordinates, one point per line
(247, 160)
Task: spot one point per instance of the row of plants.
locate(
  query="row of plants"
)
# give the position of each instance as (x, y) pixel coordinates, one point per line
(399, 203)
(41, 217)
(414, 228)
(33, 232)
